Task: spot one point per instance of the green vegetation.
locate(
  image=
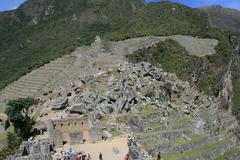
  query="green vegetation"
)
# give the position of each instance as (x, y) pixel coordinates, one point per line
(68, 27)
(60, 33)
(174, 58)
(155, 124)
(148, 110)
(171, 56)
(236, 80)
(13, 143)
(115, 132)
(181, 141)
(3, 135)
(149, 143)
(74, 23)
(228, 153)
(162, 19)
(196, 151)
(177, 123)
(224, 18)
(17, 112)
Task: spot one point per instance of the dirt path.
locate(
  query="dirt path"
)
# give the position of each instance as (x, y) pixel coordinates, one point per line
(104, 147)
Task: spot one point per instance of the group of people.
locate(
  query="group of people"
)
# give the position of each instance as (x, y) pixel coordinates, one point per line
(70, 155)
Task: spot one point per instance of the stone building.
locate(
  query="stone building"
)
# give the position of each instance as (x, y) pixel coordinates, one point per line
(69, 130)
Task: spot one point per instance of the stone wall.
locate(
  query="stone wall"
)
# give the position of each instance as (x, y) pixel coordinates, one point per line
(40, 150)
(73, 130)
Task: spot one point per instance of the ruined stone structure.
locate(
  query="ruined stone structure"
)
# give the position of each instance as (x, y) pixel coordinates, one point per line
(69, 130)
(40, 150)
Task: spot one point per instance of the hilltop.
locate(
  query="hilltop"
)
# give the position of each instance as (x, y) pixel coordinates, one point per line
(223, 18)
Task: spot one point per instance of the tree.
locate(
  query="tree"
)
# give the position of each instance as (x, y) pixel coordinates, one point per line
(17, 111)
(13, 140)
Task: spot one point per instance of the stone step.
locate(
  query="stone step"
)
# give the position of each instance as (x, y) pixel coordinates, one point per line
(30, 83)
(54, 67)
(11, 95)
(46, 71)
(37, 82)
(23, 90)
(27, 86)
(14, 94)
(36, 79)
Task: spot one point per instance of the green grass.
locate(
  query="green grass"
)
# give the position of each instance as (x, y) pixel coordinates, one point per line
(194, 152)
(155, 124)
(115, 132)
(3, 136)
(175, 59)
(104, 119)
(181, 141)
(54, 35)
(171, 56)
(176, 123)
(149, 143)
(123, 119)
(148, 110)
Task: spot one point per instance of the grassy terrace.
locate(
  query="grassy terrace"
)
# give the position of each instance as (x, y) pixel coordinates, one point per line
(194, 138)
(149, 144)
(229, 153)
(195, 152)
(172, 124)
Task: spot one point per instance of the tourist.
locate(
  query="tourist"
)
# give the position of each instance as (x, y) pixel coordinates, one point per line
(100, 156)
(63, 155)
(130, 141)
(86, 157)
(159, 156)
(83, 156)
(78, 157)
(126, 157)
(89, 157)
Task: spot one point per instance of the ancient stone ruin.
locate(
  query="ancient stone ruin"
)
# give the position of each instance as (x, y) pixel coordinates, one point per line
(100, 96)
(69, 130)
(39, 150)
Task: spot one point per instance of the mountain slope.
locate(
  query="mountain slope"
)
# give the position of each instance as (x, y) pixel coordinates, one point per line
(37, 36)
(39, 31)
(224, 18)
